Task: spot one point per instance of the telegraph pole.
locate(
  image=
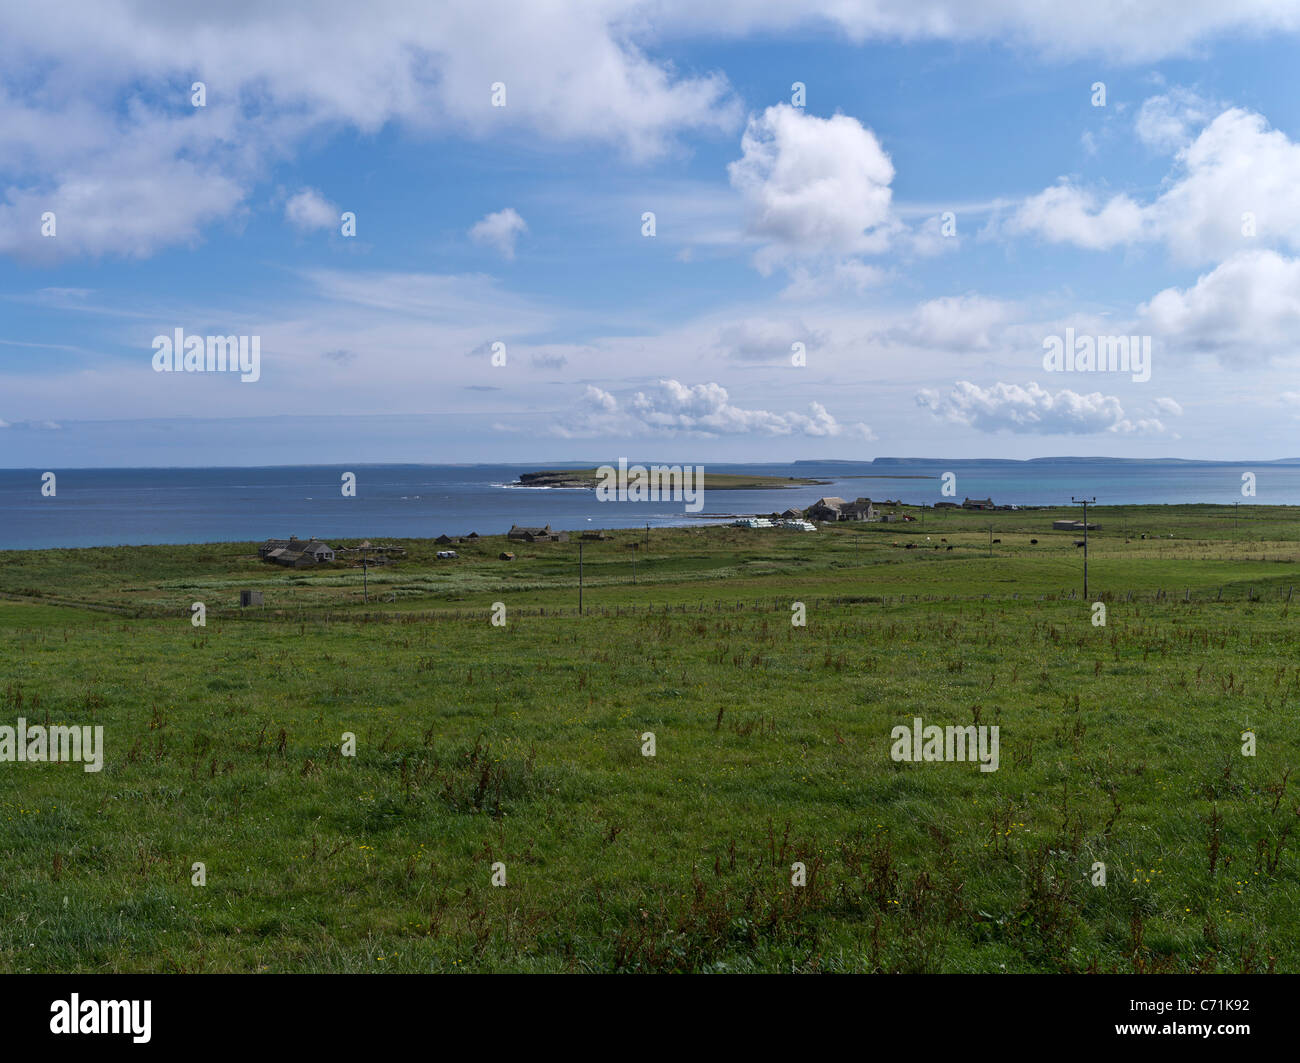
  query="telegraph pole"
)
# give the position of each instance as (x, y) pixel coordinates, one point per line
(580, 577)
(365, 571)
(1084, 502)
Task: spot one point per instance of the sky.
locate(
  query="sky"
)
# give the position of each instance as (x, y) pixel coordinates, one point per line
(475, 231)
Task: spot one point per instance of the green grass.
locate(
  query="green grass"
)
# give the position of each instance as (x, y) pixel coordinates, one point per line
(522, 744)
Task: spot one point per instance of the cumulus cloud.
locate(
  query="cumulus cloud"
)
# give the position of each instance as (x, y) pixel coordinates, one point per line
(499, 230)
(1244, 310)
(1235, 167)
(813, 187)
(674, 409)
(308, 210)
(1065, 214)
(1031, 410)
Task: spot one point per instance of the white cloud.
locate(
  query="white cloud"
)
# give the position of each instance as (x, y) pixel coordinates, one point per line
(696, 410)
(499, 230)
(1030, 410)
(116, 207)
(1069, 215)
(1166, 122)
(1245, 310)
(1236, 165)
(1169, 407)
(308, 210)
(813, 187)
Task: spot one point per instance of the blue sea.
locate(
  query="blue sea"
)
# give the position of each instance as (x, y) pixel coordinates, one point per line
(105, 507)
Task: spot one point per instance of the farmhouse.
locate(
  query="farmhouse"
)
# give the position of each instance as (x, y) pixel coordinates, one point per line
(860, 509)
(826, 508)
(536, 535)
(295, 552)
(978, 503)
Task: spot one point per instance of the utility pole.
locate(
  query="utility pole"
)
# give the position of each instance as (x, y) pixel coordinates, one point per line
(365, 571)
(1084, 502)
(990, 540)
(580, 577)
(634, 545)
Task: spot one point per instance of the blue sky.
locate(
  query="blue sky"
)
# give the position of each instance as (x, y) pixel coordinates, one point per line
(947, 198)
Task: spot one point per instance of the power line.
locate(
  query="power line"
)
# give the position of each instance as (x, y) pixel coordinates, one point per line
(1084, 502)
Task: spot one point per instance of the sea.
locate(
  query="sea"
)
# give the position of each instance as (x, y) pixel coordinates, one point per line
(109, 507)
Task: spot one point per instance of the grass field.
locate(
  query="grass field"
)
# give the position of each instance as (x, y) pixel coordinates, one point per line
(521, 745)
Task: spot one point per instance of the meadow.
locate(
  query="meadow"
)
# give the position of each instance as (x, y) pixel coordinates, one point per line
(521, 745)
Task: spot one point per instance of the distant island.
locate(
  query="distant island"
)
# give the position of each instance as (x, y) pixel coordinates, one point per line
(713, 481)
